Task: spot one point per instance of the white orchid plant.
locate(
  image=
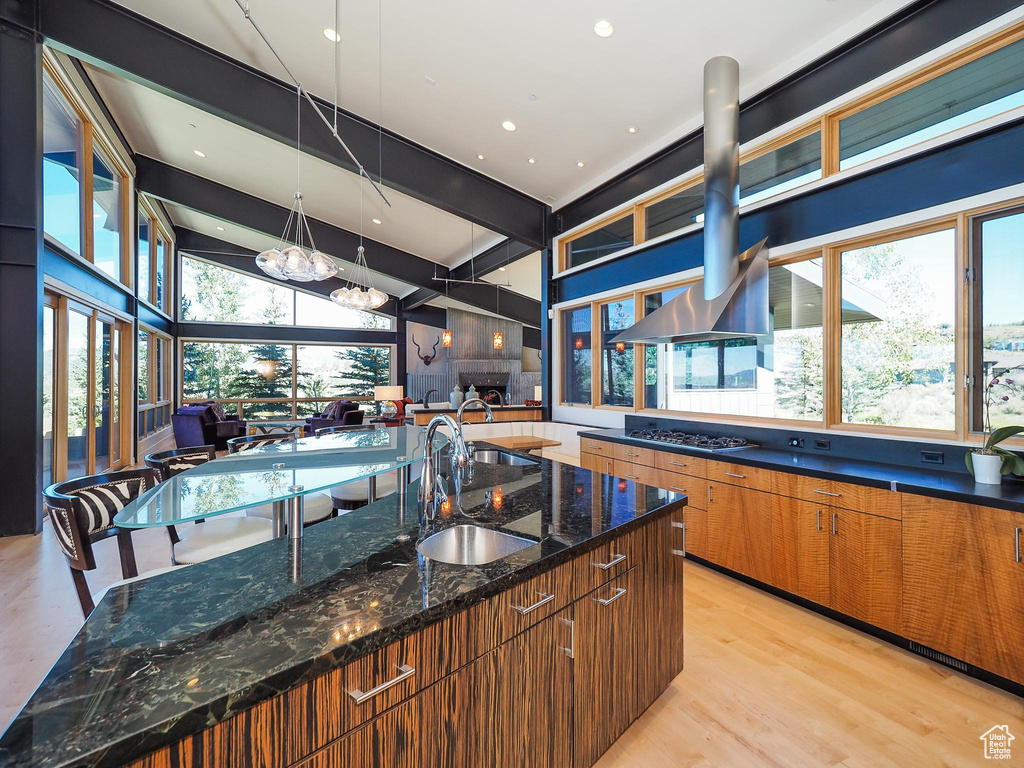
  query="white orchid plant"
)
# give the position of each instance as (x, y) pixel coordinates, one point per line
(1000, 388)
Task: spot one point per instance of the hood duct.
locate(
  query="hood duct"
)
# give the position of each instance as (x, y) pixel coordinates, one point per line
(732, 298)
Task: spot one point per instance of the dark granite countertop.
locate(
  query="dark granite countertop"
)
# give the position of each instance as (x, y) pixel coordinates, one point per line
(954, 486)
(167, 657)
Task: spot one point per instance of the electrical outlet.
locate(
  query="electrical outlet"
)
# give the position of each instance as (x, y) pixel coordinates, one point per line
(932, 457)
(796, 442)
(823, 445)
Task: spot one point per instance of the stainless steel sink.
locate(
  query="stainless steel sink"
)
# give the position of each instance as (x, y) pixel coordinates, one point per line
(471, 545)
(505, 459)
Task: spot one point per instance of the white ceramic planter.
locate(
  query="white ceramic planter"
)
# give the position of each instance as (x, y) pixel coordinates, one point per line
(986, 468)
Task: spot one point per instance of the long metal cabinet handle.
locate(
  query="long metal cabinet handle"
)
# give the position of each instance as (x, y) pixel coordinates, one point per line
(680, 552)
(733, 474)
(835, 524)
(677, 488)
(619, 592)
(819, 519)
(1016, 545)
(404, 671)
(826, 493)
(525, 609)
(616, 559)
(627, 453)
(678, 463)
(570, 651)
(631, 477)
(709, 495)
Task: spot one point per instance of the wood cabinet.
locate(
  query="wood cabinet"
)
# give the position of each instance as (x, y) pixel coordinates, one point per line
(682, 464)
(737, 474)
(597, 447)
(595, 462)
(739, 530)
(881, 502)
(866, 568)
(800, 548)
(605, 666)
(964, 582)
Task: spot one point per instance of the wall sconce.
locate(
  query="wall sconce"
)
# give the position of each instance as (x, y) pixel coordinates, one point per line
(620, 347)
(446, 338)
(499, 340)
(579, 342)
(266, 368)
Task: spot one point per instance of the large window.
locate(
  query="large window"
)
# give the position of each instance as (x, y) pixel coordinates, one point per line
(791, 165)
(680, 209)
(62, 169)
(898, 340)
(152, 254)
(973, 91)
(778, 375)
(577, 355)
(153, 353)
(598, 242)
(616, 357)
(214, 294)
(284, 381)
(997, 316)
(83, 182)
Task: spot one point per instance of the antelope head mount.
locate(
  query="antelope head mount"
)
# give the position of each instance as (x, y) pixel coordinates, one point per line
(427, 359)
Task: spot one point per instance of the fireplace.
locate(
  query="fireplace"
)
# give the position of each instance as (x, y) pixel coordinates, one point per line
(486, 385)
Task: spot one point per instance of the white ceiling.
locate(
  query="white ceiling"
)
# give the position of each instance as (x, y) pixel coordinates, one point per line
(161, 127)
(257, 241)
(487, 59)
(522, 276)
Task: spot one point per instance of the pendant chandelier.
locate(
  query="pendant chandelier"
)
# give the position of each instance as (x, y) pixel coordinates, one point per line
(290, 262)
(359, 293)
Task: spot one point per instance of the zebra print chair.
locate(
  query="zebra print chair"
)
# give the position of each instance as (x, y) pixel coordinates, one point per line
(315, 506)
(167, 464)
(248, 442)
(82, 511)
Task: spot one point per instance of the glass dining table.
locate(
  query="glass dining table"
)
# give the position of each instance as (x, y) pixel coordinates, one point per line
(281, 474)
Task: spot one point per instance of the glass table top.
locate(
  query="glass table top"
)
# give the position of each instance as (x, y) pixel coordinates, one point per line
(271, 473)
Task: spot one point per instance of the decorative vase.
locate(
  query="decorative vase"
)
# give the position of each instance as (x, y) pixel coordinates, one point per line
(987, 467)
(455, 398)
(471, 392)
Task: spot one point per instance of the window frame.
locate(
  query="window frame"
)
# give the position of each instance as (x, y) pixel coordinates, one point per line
(92, 139)
(153, 383)
(157, 231)
(294, 400)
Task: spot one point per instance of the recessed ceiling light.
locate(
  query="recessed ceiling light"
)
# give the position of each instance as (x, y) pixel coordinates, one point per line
(531, 96)
(603, 28)
(532, 161)
(809, 304)
(508, 125)
(341, 269)
(220, 229)
(579, 164)
(331, 35)
(479, 157)
(631, 129)
(375, 221)
(501, 269)
(197, 153)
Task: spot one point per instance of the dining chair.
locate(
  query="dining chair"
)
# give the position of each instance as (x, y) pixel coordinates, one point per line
(167, 464)
(315, 506)
(82, 511)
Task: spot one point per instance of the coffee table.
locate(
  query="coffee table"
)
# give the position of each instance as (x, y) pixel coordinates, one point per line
(274, 426)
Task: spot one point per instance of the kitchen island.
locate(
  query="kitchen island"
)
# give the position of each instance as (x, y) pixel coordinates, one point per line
(377, 654)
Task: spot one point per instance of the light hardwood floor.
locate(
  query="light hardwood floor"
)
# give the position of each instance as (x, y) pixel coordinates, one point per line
(766, 683)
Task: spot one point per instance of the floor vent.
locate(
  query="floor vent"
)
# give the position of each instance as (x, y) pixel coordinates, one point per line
(949, 661)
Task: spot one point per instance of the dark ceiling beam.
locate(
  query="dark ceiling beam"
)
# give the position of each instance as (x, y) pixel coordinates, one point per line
(418, 298)
(118, 40)
(482, 264)
(178, 187)
(436, 318)
(242, 259)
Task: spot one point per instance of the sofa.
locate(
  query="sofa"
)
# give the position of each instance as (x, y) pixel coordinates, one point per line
(566, 434)
(340, 413)
(205, 424)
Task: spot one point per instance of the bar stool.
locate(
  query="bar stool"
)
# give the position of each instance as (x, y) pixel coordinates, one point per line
(82, 511)
(215, 537)
(357, 494)
(315, 506)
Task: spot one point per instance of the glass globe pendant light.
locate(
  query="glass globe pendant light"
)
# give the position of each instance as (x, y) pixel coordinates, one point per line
(358, 292)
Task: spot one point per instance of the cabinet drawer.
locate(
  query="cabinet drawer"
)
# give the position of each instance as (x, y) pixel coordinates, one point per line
(676, 462)
(600, 447)
(694, 487)
(635, 455)
(522, 606)
(638, 473)
(597, 463)
(860, 498)
(601, 565)
(737, 474)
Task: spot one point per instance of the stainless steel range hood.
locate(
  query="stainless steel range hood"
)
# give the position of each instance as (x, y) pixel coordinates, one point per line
(732, 298)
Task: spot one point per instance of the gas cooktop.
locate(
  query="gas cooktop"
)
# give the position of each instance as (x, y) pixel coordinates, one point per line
(690, 440)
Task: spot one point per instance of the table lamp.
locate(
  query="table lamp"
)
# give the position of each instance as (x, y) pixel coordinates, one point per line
(387, 395)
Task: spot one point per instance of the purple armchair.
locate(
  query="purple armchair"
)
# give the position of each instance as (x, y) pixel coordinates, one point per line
(200, 425)
(340, 413)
